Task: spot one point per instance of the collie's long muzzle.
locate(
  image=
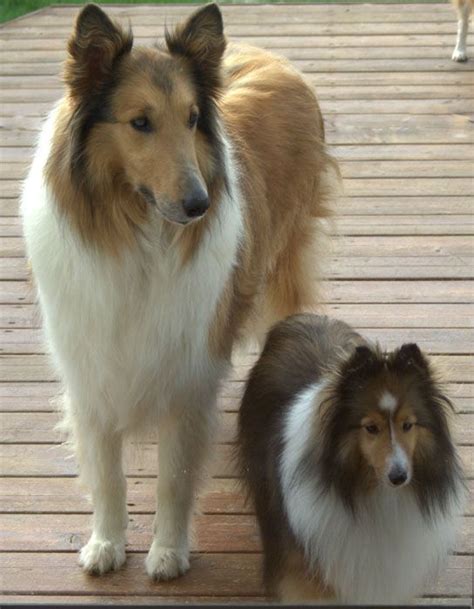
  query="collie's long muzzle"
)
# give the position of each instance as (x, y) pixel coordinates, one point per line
(192, 206)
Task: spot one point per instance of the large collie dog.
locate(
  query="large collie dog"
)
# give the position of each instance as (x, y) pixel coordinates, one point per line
(174, 200)
(350, 462)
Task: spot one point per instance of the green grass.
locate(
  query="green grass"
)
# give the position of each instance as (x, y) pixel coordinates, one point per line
(9, 9)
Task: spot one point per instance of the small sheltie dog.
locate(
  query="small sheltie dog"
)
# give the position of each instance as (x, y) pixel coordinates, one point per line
(173, 205)
(464, 10)
(348, 458)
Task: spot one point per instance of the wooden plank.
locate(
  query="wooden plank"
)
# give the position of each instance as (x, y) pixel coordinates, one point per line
(405, 225)
(350, 152)
(226, 533)
(437, 206)
(159, 16)
(322, 78)
(390, 187)
(45, 396)
(38, 599)
(40, 427)
(250, 30)
(64, 496)
(355, 268)
(376, 129)
(403, 206)
(289, 48)
(350, 292)
(393, 151)
(354, 169)
(222, 533)
(387, 169)
(462, 246)
(354, 92)
(54, 460)
(370, 316)
(277, 43)
(307, 66)
(432, 340)
(222, 573)
(345, 223)
(17, 292)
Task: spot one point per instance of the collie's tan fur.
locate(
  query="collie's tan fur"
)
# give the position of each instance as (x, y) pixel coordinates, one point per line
(144, 293)
(273, 120)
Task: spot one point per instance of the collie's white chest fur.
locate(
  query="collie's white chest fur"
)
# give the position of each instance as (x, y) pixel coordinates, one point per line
(129, 333)
(383, 555)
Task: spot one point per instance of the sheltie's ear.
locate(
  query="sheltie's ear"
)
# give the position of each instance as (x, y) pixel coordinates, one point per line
(93, 47)
(201, 39)
(363, 359)
(410, 356)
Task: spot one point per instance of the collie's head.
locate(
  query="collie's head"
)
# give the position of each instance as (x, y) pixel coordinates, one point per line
(384, 422)
(141, 124)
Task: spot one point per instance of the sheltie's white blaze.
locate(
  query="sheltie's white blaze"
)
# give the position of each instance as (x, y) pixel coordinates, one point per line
(383, 555)
(388, 402)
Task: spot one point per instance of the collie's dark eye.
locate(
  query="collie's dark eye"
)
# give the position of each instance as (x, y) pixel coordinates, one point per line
(372, 429)
(407, 426)
(141, 124)
(193, 118)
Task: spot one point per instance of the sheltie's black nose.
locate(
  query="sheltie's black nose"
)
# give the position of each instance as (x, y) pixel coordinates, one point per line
(397, 476)
(196, 203)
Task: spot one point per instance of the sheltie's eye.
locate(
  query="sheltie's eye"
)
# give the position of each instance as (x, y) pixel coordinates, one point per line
(141, 123)
(193, 118)
(372, 429)
(407, 426)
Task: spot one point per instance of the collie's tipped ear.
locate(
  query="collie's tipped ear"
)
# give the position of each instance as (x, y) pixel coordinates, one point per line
(93, 47)
(201, 38)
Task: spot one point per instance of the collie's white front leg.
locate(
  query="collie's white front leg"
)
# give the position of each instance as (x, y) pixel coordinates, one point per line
(183, 438)
(99, 453)
(460, 51)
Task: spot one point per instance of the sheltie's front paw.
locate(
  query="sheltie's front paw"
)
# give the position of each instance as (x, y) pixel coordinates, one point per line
(100, 556)
(163, 563)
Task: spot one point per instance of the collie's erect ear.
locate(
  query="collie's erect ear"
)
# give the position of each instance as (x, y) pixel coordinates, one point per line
(93, 47)
(201, 39)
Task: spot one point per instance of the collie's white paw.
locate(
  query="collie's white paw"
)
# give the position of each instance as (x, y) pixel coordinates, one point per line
(100, 556)
(163, 563)
(459, 55)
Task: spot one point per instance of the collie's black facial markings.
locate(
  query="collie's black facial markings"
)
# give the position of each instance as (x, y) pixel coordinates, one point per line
(202, 43)
(89, 113)
(147, 195)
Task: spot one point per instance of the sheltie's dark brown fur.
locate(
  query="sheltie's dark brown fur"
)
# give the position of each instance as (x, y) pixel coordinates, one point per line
(342, 458)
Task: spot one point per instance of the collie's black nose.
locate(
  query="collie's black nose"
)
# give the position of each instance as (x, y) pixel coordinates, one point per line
(397, 477)
(196, 203)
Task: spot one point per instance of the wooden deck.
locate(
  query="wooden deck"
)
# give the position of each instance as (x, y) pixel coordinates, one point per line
(399, 118)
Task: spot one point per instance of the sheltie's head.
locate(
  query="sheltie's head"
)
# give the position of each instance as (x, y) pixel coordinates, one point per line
(384, 421)
(142, 123)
